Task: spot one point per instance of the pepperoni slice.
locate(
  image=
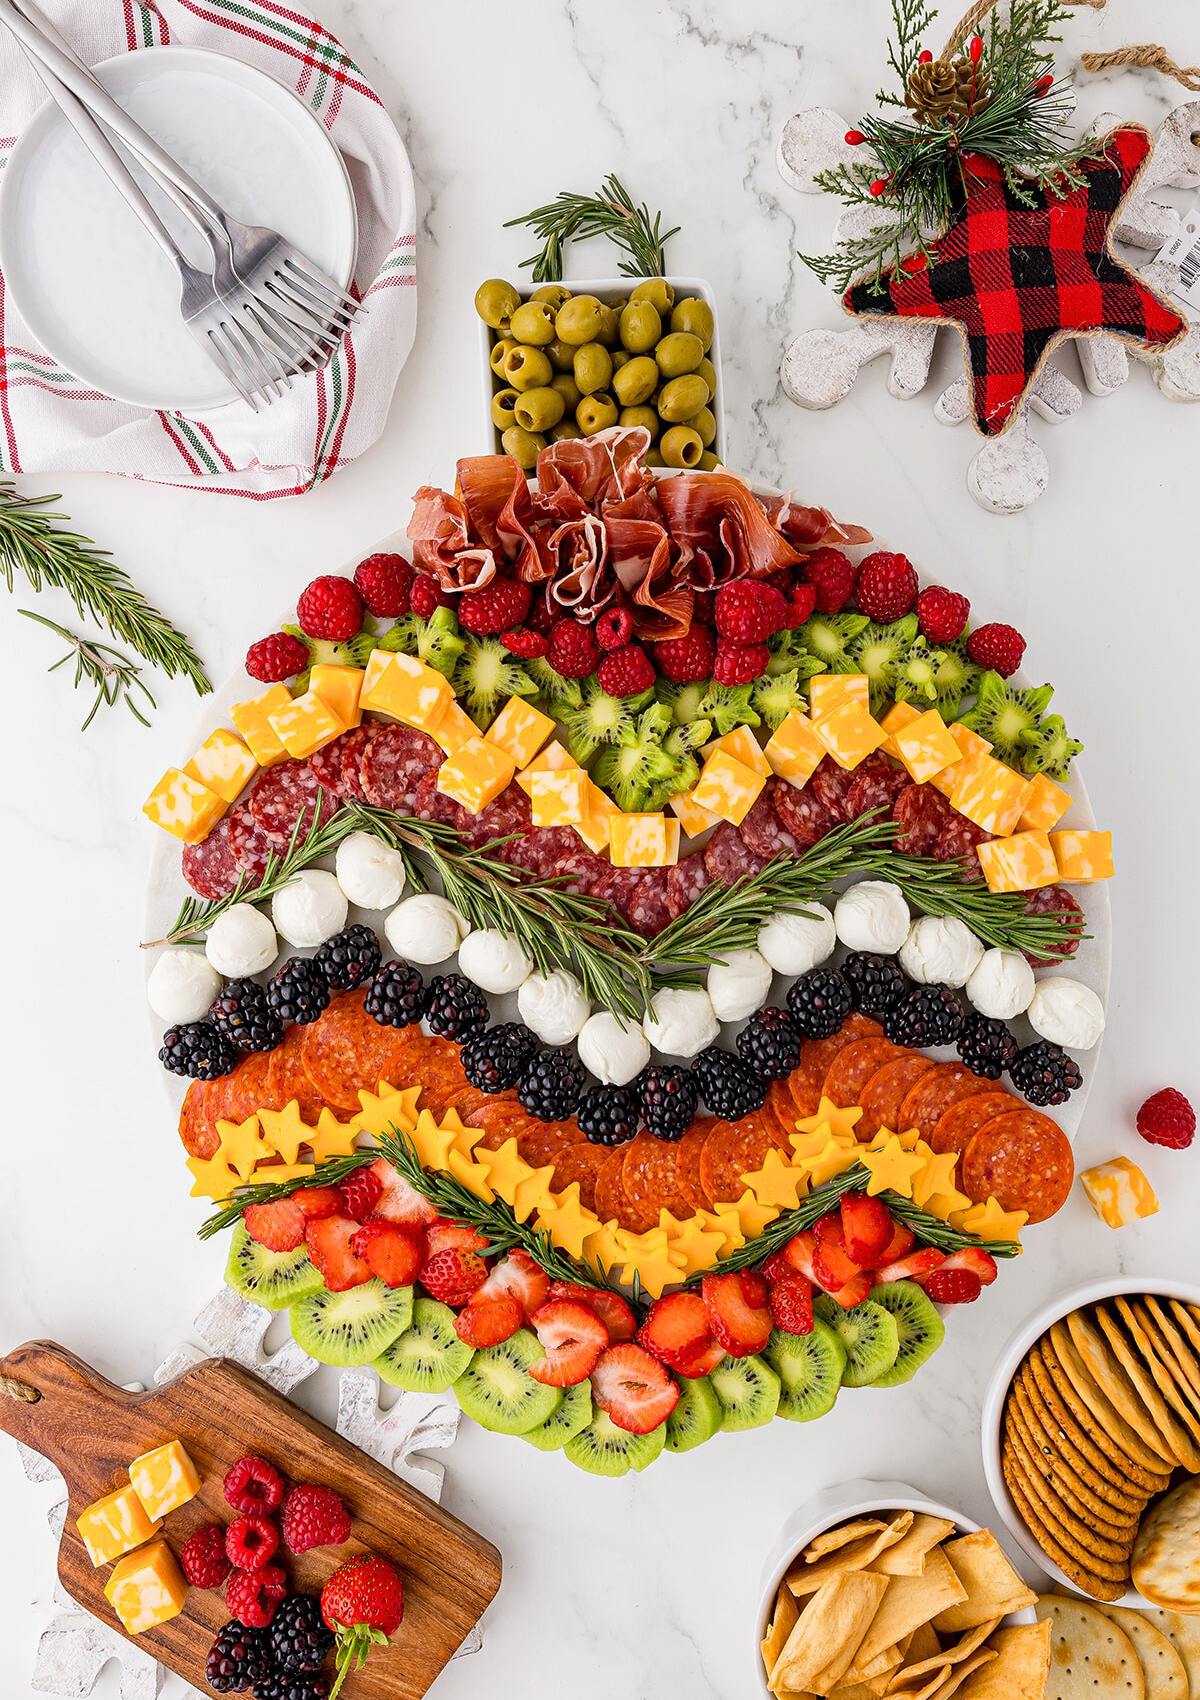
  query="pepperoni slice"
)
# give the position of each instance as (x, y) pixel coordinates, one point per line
(780, 1109)
(1023, 1160)
(287, 794)
(394, 762)
(934, 1093)
(803, 814)
(346, 1049)
(210, 867)
(197, 1129)
(831, 787)
(763, 830)
(816, 1055)
(540, 1142)
(875, 784)
(847, 1075)
(956, 1127)
(288, 1079)
(468, 1100)
(581, 1162)
(250, 843)
(921, 812)
(610, 1204)
(690, 1150)
(1046, 900)
(685, 881)
(412, 1059)
(250, 1091)
(733, 1149)
(650, 1179)
(501, 1118)
(886, 1090)
(727, 856)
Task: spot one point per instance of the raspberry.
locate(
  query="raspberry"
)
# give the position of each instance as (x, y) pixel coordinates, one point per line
(791, 1303)
(1167, 1118)
(525, 645)
(360, 1193)
(739, 663)
(453, 1276)
(251, 1542)
(573, 651)
(686, 660)
(203, 1558)
(614, 628)
(253, 1485)
(330, 607)
(801, 604)
(384, 582)
(425, 596)
(626, 672)
(952, 1286)
(252, 1596)
(942, 614)
(997, 647)
(541, 615)
(887, 586)
(314, 1517)
(831, 575)
(750, 611)
(277, 657)
(497, 607)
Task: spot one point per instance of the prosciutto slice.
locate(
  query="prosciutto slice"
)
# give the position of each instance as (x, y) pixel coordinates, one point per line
(722, 525)
(442, 543)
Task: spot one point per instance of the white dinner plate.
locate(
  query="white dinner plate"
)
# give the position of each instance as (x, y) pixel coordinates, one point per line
(92, 284)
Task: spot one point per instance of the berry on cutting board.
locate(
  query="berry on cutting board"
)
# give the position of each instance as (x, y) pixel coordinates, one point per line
(886, 587)
(1166, 1118)
(251, 1542)
(253, 1486)
(997, 647)
(280, 656)
(330, 607)
(363, 1604)
(384, 581)
(203, 1558)
(314, 1516)
(252, 1596)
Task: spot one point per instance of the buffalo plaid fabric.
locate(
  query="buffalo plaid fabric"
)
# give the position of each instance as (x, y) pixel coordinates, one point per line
(1014, 278)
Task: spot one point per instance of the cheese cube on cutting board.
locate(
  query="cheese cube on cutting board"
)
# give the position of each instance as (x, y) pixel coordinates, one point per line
(849, 733)
(550, 760)
(692, 818)
(1020, 863)
(341, 688)
(644, 841)
(743, 746)
(406, 689)
(989, 794)
(557, 798)
(1119, 1192)
(147, 1588)
(223, 763)
(306, 724)
(599, 811)
(1083, 857)
(183, 806)
(253, 720)
(1045, 804)
(794, 752)
(923, 746)
(475, 775)
(969, 744)
(452, 728)
(727, 788)
(520, 729)
(827, 691)
(114, 1525)
(164, 1479)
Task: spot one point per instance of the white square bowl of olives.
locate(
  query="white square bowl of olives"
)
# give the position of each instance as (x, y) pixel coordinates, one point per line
(603, 351)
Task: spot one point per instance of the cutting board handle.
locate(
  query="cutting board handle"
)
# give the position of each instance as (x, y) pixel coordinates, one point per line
(56, 1404)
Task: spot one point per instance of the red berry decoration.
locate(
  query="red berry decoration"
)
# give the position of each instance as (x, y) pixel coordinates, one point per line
(363, 1603)
(254, 1486)
(573, 650)
(626, 672)
(887, 586)
(252, 1596)
(942, 614)
(251, 1542)
(855, 138)
(384, 582)
(314, 1517)
(453, 1276)
(879, 187)
(497, 607)
(425, 596)
(687, 660)
(997, 647)
(831, 575)
(750, 611)
(203, 1558)
(1166, 1118)
(277, 657)
(952, 1286)
(526, 645)
(330, 607)
(614, 628)
(739, 663)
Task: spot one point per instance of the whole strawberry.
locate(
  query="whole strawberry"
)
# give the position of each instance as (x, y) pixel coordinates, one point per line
(886, 587)
(831, 575)
(384, 582)
(363, 1603)
(330, 607)
(1166, 1118)
(280, 656)
(996, 647)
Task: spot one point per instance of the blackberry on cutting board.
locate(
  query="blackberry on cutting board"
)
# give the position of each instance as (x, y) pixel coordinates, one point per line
(238, 1659)
(197, 1050)
(292, 1685)
(1045, 1074)
(298, 992)
(551, 1085)
(299, 1637)
(668, 1099)
(770, 1043)
(242, 1015)
(729, 1088)
(495, 1059)
(929, 1016)
(877, 983)
(609, 1115)
(349, 958)
(986, 1046)
(457, 1009)
(819, 1002)
(397, 996)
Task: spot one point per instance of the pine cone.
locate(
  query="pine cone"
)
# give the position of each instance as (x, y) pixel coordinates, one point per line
(946, 91)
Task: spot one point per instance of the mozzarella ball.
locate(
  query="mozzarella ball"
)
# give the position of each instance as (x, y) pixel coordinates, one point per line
(614, 1054)
(792, 943)
(495, 961)
(739, 985)
(310, 908)
(872, 915)
(940, 950)
(369, 871)
(1067, 1013)
(680, 1021)
(181, 986)
(241, 941)
(425, 928)
(553, 1006)
(1001, 985)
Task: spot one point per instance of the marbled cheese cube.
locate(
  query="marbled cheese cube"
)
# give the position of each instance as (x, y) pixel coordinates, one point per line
(147, 1588)
(644, 841)
(378, 663)
(114, 1525)
(1119, 1192)
(1083, 857)
(989, 794)
(1045, 804)
(306, 724)
(252, 719)
(557, 799)
(598, 812)
(727, 788)
(1020, 863)
(743, 746)
(520, 729)
(849, 733)
(183, 806)
(224, 764)
(406, 689)
(827, 691)
(453, 728)
(550, 760)
(341, 688)
(164, 1479)
(924, 746)
(475, 775)
(795, 752)
(969, 744)
(692, 818)
(900, 714)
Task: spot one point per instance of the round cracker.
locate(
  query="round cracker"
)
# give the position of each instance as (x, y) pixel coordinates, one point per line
(1149, 1450)
(1184, 1635)
(1152, 1476)
(1146, 1377)
(1098, 1347)
(1086, 1481)
(1079, 1576)
(1186, 1389)
(1081, 1533)
(1164, 1671)
(1090, 1655)
(1100, 1453)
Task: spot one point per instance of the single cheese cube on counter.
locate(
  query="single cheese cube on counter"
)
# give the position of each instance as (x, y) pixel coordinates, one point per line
(164, 1479)
(551, 760)
(644, 841)
(794, 752)
(452, 728)
(476, 774)
(520, 729)
(692, 818)
(183, 806)
(1119, 1192)
(341, 688)
(557, 799)
(969, 744)
(849, 733)
(598, 811)
(827, 691)
(114, 1525)
(306, 724)
(406, 689)
(1045, 804)
(224, 764)
(727, 788)
(989, 794)
(1083, 857)
(923, 746)
(147, 1588)
(1020, 863)
(743, 746)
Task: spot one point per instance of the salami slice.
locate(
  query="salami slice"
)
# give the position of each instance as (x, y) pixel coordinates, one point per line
(610, 1204)
(249, 843)
(732, 1150)
(197, 1129)
(326, 764)
(540, 849)
(831, 787)
(580, 1163)
(210, 867)
(639, 895)
(1046, 900)
(847, 1075)
(581, 870)
(762, 830)
(1021, 1159)
(690, 1151)
(921, 812)
(394, 762)
(957, 1126)
(886, 1090)
(934, 1093)
(803, 814)
(685, 881)
(428, 803)
(816, 1055)
(354, 746)
(727, 856)
(650, 1178)
(875, 784)
(956, 842)
(506, 814)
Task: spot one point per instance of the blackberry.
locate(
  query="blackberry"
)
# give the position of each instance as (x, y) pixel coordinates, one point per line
(668, 1098)
(1045, 1074)
(728, 1087)
(238, 1659)
(770, 1043)
(397, 996)
(349, 958)
(292, 1685)
(495, 1059)
(198, 1050)
(299, 1636)
(242, 1015)
(457, 1009)
(551, 1085)
(877, 983)
(819, 1002)
(298, 992)
(987, 1047)
(929, 1015)
(609, 1115)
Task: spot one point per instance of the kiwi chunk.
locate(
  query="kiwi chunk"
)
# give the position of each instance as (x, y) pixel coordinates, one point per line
(354, 1327)
(555, 693)
(748, 1389)
(810, 1367)
(869, 1334)
(775, 697)
(829, 636)
(790, 654)
(877, 652)
(485, 676)
(429, 1356)
(696, 1417)
(573, 1413)
(920, 1328)
(1051, 749)
(936, 678)
(435, 641)
(603, 1449)
(273, 1279)
(1008, 718)
(634, 765)
(496, 1390)
(599, 720)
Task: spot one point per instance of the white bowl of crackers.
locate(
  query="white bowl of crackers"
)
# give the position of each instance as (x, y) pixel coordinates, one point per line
(1091, 1442)
(875, 1589)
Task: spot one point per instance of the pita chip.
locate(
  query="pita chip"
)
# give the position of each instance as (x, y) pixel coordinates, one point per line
(961, 1674)
(991, 1587)
(832, 1539)
(837, 1616)
(859, 1555)
(912, 1600)
(907, 1556)
(783, 1621)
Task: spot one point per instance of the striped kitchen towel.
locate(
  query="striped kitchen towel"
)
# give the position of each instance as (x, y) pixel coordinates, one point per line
(50, 421)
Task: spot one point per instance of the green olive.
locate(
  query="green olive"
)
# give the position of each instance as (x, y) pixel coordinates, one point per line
(681, 398)
(554, 293)
(503, 404)
(644, 416)
(708, 372)
(500, 348)
(636, 382)
(681, 446)
(562, 355)
(678, 353)
(705, 425)
(579, 320)
(609, 326)
(653, 457)
(692, 314)
(708, 462)
(620, 357)
(641, 326)
(533, 322)
(526, 368)
(657, 291)
(496, 302)
(568, 389)
(523, 446)
(596, 413)
(538, 410)
(593, 367)
(561, 432)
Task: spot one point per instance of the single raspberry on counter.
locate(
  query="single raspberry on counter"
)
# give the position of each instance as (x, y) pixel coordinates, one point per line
(573, 651)
(942, 614)
(314, 1516)
(614, 628)
(997, 647)
(626, 672)
(952, 1286)
(525, 645)
(203, 1558)
(251, 1542)
(280, 656)
(750, 611)
(887, 586)
(252, 1596)
(739, 663)
(384, 582)
(453, 1276)
(801, 604)
(1166, 1118)
(687, 660)
(500, 605)
(831, 575)
(253, 1485)
(330, 607)
(425, 596)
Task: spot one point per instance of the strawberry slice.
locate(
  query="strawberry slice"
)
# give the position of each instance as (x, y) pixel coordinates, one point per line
(922, 1262)
(448, 1236)
(317, 1201)
(614, 1312)
(360, 1193)
(488, 1322)
(976, 1261)
(795, 1258)
(399, 1201)
(703, 1361)
(831, 1267)
(676, 1329)
(634, 1388)
(330, 1245)
(791, 1304)
(279, 1226)
(866, 1229)
(854, 1292)
(389, 1251)
(518, 1277)
(737, 1317)
(901, 1243)
(574, 1338)
(828, 1229)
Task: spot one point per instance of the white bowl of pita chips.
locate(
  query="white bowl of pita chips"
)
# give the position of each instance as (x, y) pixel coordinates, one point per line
(872, 1580)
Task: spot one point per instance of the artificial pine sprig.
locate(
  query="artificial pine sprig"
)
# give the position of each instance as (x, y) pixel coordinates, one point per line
(114, 676)
(611, 211)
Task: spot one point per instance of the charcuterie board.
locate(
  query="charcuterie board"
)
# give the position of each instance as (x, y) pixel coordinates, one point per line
(90, 1430)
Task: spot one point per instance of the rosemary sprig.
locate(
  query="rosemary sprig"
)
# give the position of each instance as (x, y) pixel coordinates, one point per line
(611, 211)
(329, 1173)
(115, 677)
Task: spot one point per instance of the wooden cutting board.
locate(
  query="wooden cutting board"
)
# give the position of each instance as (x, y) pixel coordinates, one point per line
(92, 1431)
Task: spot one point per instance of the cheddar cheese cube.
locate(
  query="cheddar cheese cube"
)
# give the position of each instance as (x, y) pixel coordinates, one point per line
(306, 724)
(378, 663)
(224, 764)
(743, 746)
(598, 811)
(452, 728)
(924, 746)
(692, 818)
(550, 760)
(147, 1588)
(989, 794)
(183, 806)
(727, 788)
(520, 729)
(1020, 863)
(406, 689)
(644, 841)
(164, 1479)
(557, 799)
(827, 691)
(969, 744)
(795, 752)
(1083, 857)
(849, 733)
(252, 719)
(114, 1525)
(475, 774)
(1119, 1192)
(899, 715)
(341, 688)
(1045, 804)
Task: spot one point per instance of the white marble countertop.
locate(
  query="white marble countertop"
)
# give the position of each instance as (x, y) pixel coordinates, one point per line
(643, 1587)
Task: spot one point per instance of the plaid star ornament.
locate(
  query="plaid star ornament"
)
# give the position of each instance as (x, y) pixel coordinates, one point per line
(1019, 271)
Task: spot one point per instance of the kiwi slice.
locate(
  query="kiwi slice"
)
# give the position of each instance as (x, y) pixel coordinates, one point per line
(877, 652)
(354, 1327)
(697, 1416)
(790, 653)
(684, 701)
(495, 1390)
(429, 1356)
(1051, 749)
(776, 695)
(748, 1389)
(555, 693)
(1008, 717)
(935, 678)
(829, 636)
(573, 1413)
(635, 764)
(728, 706)
(920, 1328)
(603, 1449)
(485, 676)
(811, 1367)
(599, 720)
(272, 1279)
(869, 1334)
(435, 641)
